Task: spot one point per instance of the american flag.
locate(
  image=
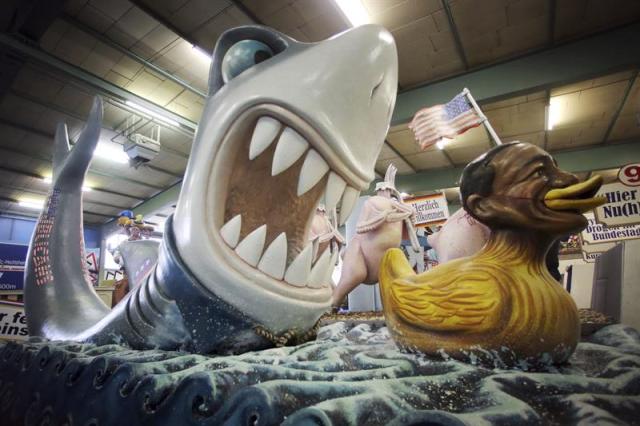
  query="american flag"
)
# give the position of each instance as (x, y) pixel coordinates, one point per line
(444, 121)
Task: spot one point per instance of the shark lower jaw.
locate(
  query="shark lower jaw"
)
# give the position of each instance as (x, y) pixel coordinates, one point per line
(270, 173)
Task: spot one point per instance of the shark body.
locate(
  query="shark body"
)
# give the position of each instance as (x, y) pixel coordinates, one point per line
(286, 125)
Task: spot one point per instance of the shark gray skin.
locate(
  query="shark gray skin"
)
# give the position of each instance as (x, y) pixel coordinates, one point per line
(287, 126)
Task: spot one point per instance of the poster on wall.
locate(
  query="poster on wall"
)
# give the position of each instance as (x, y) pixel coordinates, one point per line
(12, 259)
(623, 198)
(13, 322)
(570, 246)
(597, 233)
(430, 209)
(92, 257)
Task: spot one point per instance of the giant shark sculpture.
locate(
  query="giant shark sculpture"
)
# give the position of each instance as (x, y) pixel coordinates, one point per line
(286, 126)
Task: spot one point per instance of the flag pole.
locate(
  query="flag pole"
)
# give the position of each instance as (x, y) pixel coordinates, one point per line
(485, 121)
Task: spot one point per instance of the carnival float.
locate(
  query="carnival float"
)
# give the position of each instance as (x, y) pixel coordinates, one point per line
(225, 326)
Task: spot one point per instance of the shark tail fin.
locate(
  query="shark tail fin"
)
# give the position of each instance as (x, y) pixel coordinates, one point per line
(60, 302)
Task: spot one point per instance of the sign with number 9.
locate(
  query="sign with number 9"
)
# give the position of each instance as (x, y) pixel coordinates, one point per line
(630, 175)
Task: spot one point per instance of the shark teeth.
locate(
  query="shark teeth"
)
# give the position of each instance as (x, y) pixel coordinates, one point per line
(349, 199)
(298, 272)
(264, 134)
(333, 193)
(231, 231)
(250, 249)
(313, 169)
(290, 147)
(318, 274)
(274, 259)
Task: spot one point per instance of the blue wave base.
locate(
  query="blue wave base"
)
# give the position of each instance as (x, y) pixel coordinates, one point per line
(349, 375)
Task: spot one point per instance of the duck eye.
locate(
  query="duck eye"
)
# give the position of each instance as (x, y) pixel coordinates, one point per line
(242, 56)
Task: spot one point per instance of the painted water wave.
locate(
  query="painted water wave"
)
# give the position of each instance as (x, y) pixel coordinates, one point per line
(352, 374)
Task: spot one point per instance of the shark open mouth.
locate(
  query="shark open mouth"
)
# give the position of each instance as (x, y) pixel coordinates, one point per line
(271, 172)
(577, 198)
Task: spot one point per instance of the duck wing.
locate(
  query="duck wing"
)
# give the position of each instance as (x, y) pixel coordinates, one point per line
(456, 296)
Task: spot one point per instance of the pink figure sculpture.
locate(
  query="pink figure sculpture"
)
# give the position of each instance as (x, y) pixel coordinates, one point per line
(382, 223)
(324, 233)
(460, 236)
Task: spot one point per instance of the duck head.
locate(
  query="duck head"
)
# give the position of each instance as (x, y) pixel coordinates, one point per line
(519, 186)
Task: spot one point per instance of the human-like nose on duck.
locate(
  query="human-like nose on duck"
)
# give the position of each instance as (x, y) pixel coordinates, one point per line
(563, 179)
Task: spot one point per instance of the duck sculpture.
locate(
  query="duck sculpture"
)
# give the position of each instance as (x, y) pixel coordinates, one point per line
(382, 223)
(500, 305)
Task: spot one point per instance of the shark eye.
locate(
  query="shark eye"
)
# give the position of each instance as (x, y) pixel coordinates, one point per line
(242, 56)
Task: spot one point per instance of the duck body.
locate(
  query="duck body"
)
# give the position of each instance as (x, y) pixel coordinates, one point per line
(499, 305)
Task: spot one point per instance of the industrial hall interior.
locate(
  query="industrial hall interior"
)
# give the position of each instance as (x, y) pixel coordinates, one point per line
(335, 212)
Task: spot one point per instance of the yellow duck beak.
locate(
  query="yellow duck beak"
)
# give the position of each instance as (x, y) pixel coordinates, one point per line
(569, 198)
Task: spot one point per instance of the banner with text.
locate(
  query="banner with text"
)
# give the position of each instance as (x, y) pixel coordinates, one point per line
(596, 233)
(13, 322)
(430, 209)
(12, 259)
(622, 206)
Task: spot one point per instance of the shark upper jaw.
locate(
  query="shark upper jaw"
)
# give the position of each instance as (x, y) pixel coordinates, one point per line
(271, 171)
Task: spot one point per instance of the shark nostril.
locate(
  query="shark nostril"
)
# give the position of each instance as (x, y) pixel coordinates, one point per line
(376, 86)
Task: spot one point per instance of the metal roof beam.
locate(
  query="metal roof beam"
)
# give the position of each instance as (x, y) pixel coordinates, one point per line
(580, 160)
(91, 171)
(616, 114)
(155, 68)
(43, 159)
(396, 152)
(598, 157)
(105, 87)
(579, 60)
(13, 200)
(45, 193)
(456, 34)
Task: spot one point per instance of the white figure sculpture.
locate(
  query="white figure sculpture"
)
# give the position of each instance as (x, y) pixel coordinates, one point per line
(323, 232)
(381, 225)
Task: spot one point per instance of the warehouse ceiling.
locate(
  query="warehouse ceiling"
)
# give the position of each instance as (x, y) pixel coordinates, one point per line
(56, 55)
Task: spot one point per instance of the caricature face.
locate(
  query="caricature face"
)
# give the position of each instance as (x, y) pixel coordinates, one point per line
(526, 179)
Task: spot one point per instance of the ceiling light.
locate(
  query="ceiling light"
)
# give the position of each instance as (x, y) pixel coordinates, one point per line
(442, 142)
(404, 194)
(114, 240)
(47, 180)
(153, 114)
(551, 113)
(31, 204)
(201, 53)
(354, 11)
(111, 152)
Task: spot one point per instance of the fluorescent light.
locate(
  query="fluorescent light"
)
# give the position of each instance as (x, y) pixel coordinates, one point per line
(404, 194)
(48, 181)
(551, 114)
(153, 113)
(31, 204)
(114, 240)
(354, 11)
(442, 142)
(201, 53)
(111, 152)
